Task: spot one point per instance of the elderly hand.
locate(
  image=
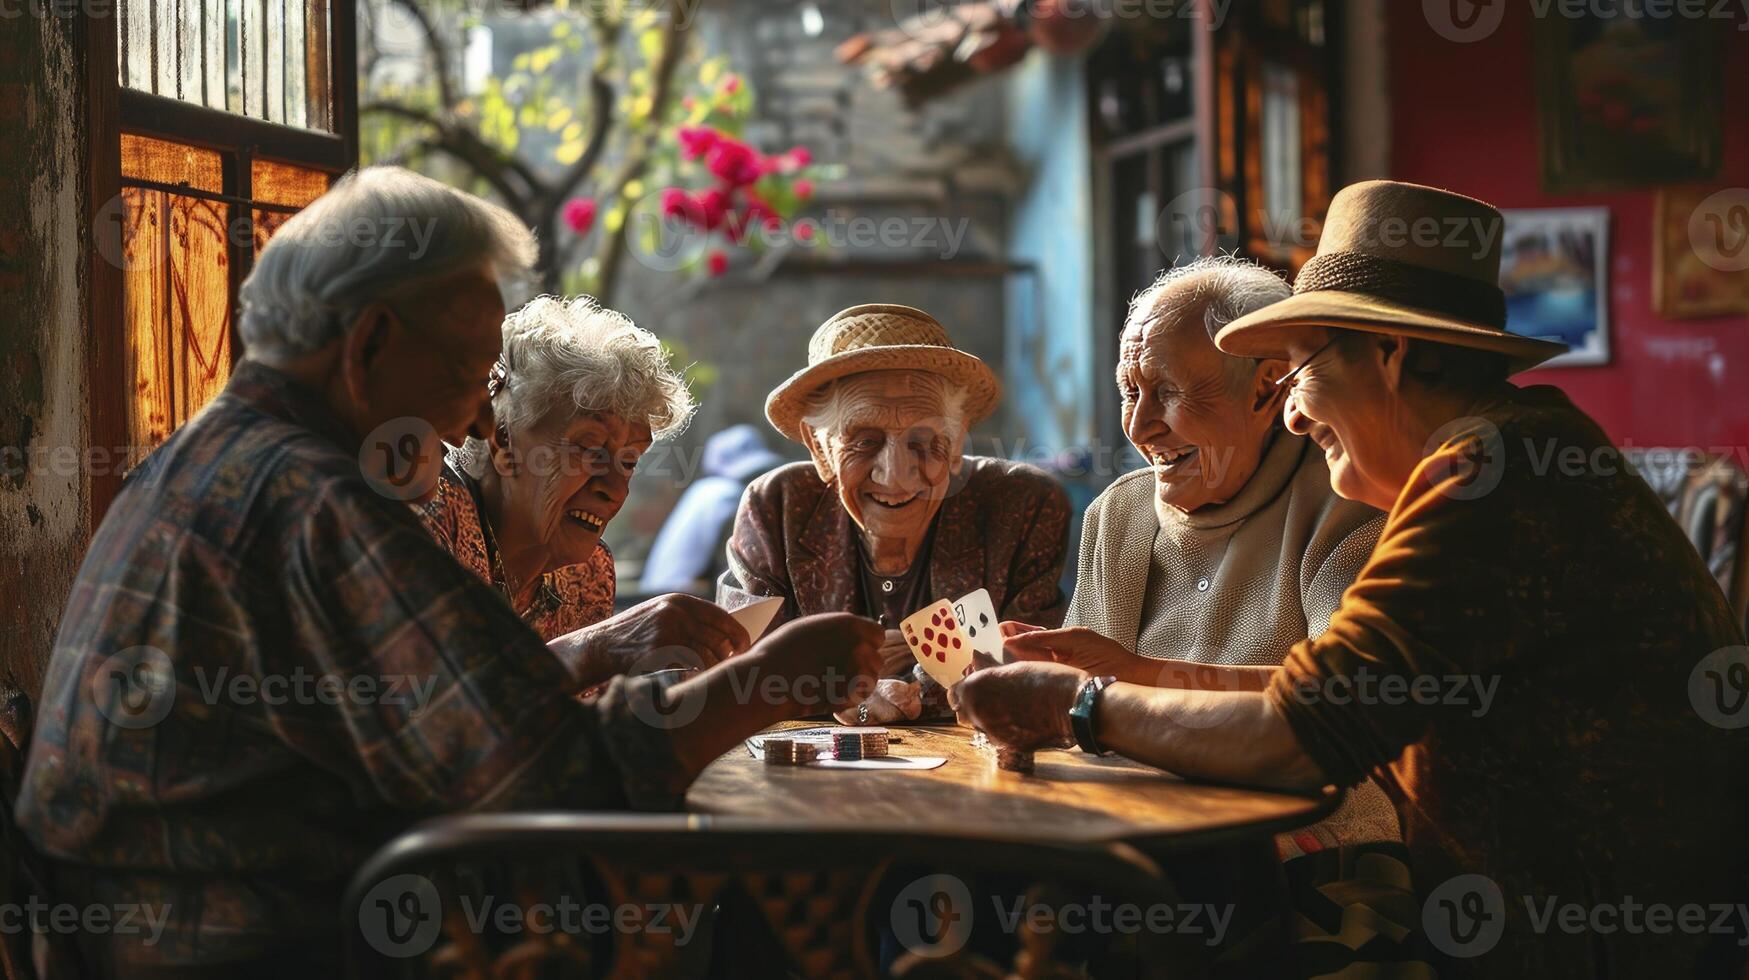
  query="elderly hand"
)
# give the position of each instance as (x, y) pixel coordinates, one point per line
(896, 657)
(1083, 648)
(831, 660)
(1023, 706)
(893, 700)
(664, 632)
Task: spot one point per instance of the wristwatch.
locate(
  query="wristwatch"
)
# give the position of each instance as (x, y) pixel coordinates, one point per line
(1082, 714)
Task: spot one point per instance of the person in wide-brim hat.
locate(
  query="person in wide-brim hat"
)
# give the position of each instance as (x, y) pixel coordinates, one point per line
(1553, 640)
(889, 514)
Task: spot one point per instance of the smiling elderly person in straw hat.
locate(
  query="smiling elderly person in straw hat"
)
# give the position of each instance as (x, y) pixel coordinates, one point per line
(890, 516)
(1534, 653)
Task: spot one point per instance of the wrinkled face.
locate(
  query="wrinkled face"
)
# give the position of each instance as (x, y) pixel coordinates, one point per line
(890, 451)
(417, 368)
(1346, 406)
(565, 475)
(1199, 421)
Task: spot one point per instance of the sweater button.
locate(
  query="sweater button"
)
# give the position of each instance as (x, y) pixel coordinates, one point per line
(887, 586)
(1202, 585)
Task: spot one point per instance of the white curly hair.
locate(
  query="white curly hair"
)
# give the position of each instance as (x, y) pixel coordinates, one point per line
(577, 354)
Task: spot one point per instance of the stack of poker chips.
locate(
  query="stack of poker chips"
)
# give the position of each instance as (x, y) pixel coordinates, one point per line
(790, 752)
(859, 743)
(1014, 760)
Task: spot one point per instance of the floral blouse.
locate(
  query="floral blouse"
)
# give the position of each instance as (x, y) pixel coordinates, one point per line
(568, 599)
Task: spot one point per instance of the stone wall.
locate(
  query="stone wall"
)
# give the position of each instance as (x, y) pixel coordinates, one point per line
(44, 509)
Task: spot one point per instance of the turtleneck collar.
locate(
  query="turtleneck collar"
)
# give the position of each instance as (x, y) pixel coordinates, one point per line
(1281, 460)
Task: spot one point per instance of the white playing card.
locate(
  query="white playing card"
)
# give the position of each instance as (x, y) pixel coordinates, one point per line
(977, 617)
(755, 616)
(938, 644)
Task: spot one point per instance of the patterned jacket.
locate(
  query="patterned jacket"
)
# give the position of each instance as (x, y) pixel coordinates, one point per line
(567, 598)
(266, 670)
(1003, 527)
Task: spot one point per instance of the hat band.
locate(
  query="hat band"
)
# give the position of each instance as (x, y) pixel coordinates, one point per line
(1401, 282)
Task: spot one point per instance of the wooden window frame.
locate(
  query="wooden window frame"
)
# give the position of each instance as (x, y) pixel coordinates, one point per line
(240, 140)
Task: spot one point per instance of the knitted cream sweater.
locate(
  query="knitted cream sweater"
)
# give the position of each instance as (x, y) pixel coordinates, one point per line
(1237, 583)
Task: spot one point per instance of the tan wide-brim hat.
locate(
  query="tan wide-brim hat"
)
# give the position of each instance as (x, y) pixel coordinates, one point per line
(881, 337)
(1404, 259)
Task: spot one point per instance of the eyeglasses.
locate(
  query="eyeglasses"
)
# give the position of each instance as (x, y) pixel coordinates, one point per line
(1287, 379)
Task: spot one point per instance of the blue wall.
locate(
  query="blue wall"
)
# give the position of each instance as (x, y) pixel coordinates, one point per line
(1049, 366)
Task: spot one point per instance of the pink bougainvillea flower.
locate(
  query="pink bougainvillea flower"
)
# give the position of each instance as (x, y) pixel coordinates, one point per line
(696, 141)
(732, 84)
(801, 156)
(719, 263)
(674, 202)
(713, 205)
(733, 162)
(804, 189)
(580, 214)
(805, 231)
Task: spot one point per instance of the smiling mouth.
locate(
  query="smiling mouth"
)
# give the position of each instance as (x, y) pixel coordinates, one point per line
(891, 501)
(1168, 461)
(587, 520)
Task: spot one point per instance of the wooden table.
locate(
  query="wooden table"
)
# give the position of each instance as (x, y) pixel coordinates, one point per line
(1071, 797)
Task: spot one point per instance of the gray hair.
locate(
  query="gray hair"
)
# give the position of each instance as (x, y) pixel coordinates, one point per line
(1225, 286)
(575, 353)
(822, 411)
(376, 234)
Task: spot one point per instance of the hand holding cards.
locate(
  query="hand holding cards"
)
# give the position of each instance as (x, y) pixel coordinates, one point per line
(944, 635)
(936, 640)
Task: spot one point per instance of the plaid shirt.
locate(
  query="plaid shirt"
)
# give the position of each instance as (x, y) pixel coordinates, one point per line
(336, 676)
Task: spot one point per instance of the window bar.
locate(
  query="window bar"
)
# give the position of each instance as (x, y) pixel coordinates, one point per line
(242, 57)
(152, 33)
(179, 9)
(317, 72)
(121, 31)
(266, 62)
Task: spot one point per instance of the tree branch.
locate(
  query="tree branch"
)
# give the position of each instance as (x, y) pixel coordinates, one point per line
(439, 52)
(493, 165)
(637, 158)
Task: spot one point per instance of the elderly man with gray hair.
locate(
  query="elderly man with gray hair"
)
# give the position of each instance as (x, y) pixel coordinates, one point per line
(267, 667)
(1203, 570)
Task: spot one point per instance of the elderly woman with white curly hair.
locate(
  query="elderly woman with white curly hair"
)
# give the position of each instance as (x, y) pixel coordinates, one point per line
(579, 394)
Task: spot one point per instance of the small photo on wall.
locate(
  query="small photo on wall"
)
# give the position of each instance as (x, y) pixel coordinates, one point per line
(1701, 255)
(1554, 269)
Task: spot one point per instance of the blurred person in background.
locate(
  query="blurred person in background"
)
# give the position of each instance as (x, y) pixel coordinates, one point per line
(688, 553)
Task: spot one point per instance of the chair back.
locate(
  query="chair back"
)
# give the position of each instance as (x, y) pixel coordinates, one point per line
(536, 895)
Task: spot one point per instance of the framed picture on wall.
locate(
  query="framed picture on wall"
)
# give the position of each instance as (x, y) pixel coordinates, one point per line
(1554, 269)
(1700, 255)
(1628, 101)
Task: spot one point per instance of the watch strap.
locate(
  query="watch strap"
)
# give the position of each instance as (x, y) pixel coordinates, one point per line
(1084, 713)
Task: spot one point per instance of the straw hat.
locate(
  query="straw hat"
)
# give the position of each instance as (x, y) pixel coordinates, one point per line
(1403, 259)
(881, 337)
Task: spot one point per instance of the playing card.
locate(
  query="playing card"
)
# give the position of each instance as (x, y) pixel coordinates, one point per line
(977, 617)
(935, 639)
(755, 616)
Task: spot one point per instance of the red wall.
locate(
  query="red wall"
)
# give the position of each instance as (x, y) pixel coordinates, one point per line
(1464, 117)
